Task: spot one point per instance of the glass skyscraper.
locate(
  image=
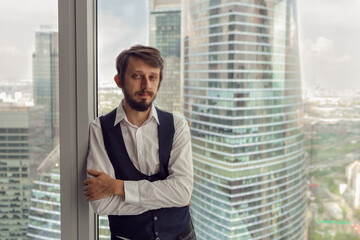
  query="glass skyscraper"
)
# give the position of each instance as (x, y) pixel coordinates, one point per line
(242, 98)
(165, 34)
(14, 171)
(46, 82)
(44, 217)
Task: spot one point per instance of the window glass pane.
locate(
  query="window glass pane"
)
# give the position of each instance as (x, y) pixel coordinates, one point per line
(29, 121)
(330, 58)
(242, 98)
(119, 27)
(270, 92)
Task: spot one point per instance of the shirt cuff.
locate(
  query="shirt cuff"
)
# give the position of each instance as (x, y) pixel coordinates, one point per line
(131, 189)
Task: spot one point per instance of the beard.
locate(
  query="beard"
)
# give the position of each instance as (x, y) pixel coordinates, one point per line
(142, 105)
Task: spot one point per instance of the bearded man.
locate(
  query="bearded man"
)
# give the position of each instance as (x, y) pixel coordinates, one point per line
(139, 161)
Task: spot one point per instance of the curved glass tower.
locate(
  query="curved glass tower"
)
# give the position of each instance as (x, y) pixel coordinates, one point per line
(242, 98)
(44, 217)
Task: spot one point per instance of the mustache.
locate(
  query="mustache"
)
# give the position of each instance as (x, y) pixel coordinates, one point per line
(145, 91)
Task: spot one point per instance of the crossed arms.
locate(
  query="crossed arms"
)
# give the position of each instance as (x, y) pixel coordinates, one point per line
(110, 196)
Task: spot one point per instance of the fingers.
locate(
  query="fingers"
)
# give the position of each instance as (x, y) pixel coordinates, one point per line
(90, 191)
(89, 198)
(86, 191)
(98, 186)
(86, 182)
(94, 172)
(88, 194)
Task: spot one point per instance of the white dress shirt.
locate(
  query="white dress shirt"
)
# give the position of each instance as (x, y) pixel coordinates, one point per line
(142, 146)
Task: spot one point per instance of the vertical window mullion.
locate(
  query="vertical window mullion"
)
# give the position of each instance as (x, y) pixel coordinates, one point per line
(77, 47)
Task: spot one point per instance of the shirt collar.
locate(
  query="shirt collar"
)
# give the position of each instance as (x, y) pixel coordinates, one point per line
(121, 115)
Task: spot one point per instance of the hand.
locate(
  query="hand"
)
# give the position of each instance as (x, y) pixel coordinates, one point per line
(102, 186)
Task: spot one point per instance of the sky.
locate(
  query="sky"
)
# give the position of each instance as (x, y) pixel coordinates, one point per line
(111, 39)
(19, 19)
(329, 36)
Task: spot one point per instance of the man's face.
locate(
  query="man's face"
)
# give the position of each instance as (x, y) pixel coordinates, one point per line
(140, 85)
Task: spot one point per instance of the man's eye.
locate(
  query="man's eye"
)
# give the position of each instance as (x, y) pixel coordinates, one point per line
(136, 76)
(153, 77)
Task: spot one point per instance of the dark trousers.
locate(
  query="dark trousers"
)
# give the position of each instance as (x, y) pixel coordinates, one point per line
(187, 234)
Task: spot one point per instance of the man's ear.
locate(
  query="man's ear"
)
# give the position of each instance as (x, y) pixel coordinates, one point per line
(117, 80)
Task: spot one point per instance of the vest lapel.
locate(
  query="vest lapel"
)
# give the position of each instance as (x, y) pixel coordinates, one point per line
(119, 157)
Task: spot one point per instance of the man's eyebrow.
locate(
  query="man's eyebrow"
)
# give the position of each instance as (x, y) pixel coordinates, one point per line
(139, 71)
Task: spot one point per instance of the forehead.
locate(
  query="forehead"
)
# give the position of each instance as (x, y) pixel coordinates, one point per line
(137, 64)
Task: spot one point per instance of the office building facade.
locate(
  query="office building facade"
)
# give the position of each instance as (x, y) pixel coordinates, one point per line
(242, 98)
(44, 216)
(14, 171)
(165, 34)
(46, 81)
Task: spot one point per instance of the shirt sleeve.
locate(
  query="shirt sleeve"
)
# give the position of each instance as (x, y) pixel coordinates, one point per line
(176, 189)
(98, 159)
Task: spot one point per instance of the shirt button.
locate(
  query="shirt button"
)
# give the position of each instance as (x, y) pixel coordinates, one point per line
(155, 218)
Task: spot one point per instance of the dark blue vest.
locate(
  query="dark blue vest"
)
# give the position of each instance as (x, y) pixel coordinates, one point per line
(165, 223)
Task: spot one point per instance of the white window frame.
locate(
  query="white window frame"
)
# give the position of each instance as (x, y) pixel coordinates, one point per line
(77, 85)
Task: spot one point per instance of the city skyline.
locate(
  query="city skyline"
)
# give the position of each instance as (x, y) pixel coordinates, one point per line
(328, 32)
(239, 126)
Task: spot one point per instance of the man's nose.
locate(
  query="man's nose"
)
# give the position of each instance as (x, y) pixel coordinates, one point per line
(146, 84)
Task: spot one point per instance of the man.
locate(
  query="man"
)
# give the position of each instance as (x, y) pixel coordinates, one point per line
(139, 159)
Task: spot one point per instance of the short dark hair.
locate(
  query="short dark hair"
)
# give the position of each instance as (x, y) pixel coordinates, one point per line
(150, 55)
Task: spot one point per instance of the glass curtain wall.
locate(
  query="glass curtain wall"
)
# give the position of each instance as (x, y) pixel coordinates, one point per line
(29, 121)
(240, 89)
(164, 34)
(242, 98)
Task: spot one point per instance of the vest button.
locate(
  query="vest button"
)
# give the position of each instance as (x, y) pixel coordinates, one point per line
(156, 233)
(155, 218)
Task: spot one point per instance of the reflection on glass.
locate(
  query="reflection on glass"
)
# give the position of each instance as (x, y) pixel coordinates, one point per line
(29, 125)
(242, 97)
